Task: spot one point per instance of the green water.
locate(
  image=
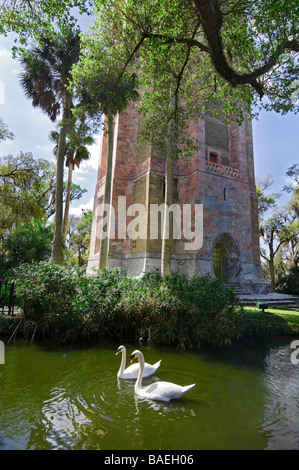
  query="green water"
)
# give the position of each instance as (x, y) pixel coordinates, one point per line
(69, 398)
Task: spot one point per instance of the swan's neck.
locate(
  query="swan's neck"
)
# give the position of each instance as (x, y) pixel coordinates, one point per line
(140, 372)
(123, 362)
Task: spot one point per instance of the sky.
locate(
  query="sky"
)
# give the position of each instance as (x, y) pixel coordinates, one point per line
(275, 137)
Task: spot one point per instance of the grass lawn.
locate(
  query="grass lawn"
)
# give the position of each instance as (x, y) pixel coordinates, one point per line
(288, 314)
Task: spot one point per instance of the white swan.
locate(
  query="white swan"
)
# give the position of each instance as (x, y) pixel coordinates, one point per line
(131, 372)
(163, 391)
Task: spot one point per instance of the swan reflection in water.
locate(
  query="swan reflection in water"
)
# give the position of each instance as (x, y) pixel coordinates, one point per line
(162, 407)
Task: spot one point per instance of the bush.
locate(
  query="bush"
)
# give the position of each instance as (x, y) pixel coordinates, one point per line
(177, 310)
(170, 310)
(98, 300)
(289, 284)
(46, 294)
(29, 242)
(260, 324)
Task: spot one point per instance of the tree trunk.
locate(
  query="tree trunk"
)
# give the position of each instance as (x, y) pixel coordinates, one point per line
(271, 260)
(107, 195)
(272, 272)
(58, 242)
(167, 235)
(67, 200)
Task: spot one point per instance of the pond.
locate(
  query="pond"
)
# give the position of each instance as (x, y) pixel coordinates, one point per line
(53, 397)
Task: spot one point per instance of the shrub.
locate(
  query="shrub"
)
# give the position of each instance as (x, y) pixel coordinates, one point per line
(289, 284)
(185, 311)
(98, 299)
(265, 324)
(177, 310)
(46, 293)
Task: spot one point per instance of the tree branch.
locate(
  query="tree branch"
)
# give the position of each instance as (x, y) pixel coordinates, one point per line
(178, 40)
(131, 56)
(13, 172)
(180, 75)
(212, 18)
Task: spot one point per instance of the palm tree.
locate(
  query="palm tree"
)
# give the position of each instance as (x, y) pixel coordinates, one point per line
(75, 153)
(45, 79)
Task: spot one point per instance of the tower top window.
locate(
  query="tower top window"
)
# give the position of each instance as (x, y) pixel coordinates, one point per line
(213, 157)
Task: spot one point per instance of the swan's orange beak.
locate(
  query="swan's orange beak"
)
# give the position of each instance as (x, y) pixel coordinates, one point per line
(132, 358)
(117, 352)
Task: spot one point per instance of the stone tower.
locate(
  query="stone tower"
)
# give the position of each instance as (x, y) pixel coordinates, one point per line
(219, 179)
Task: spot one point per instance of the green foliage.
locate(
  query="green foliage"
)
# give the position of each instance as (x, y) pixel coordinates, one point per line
(177, 310)
(66, 304)
(289, 284)
(46, 69)
(280, 229)
(8, 325)
(98, 78)
(293, 175)
(28, 243)
(259, 324)
(30, 18)
(185, 311)
(78, 239)
(26, 189)
(5, 133)
(232, 51)
(45, 292)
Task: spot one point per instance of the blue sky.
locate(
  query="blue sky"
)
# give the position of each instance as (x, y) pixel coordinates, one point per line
(275, 137)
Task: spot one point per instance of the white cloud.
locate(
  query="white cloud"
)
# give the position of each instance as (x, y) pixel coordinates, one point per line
(82, 170)
(81, 174)
(79, 178)
(88, 167)
(94, 150)
(45, 148)
(78, 210)
(290, 182)
(5, 54)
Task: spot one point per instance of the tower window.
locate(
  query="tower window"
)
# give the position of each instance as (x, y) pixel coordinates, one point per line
(224, 194)
(213, 157)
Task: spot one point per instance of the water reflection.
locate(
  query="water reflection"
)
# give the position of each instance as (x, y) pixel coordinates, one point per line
(245, 398)
(62, 420)
(281, 399)
(176, 408)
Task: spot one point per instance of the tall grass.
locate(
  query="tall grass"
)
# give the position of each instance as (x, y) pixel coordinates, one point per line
(65, 304)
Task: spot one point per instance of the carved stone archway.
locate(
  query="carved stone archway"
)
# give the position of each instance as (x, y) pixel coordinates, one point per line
(226, 258)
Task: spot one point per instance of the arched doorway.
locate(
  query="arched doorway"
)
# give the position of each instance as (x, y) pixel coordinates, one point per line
(218, 261)
(226, 258)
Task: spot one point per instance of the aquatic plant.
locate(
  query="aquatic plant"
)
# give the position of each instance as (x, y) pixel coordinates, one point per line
(66, 304)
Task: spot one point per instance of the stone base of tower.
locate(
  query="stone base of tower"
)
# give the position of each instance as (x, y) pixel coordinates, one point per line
(248, 281)
(93, 264)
